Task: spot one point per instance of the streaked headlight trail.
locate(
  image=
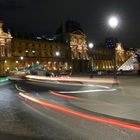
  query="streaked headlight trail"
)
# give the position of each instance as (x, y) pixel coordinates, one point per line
(82, 115)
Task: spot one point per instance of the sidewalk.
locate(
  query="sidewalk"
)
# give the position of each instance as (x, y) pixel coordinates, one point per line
(124, 103)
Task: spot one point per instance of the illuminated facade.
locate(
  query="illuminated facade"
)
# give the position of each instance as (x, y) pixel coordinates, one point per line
(5, 49)
(120, 55)
(66, 51)
(53, 54)
(103, 57)
(79, 51)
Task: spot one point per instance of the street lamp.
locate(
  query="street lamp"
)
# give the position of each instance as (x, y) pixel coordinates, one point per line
(113, 23)
(21, 58)
(37, 62)
(57, 53)
(90, 45)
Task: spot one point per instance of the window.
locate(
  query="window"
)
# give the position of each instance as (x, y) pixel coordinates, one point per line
(39, 51)
(27, 44)
(20, 51)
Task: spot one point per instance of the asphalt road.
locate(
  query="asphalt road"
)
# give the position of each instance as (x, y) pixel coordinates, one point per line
(23, 119)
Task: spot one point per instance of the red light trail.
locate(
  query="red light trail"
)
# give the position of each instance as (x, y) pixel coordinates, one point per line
(83, 115)
(64, 96)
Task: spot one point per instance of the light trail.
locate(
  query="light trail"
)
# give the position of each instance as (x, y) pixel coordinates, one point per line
(64, 96)
(78, 99)
(56, 82)
(128, 125)
(86, 91)
(71, 79)
(19, 88)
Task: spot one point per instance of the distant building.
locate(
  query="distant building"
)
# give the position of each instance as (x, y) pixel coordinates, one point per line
(52, 55)
(103, 57)
(5, 49)
(72, 34)
(66, 51)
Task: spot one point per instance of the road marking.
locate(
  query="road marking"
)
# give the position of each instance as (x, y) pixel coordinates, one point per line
(19, 88)
(100, 86)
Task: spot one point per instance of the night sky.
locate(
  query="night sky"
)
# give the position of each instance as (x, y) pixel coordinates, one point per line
(45, 16)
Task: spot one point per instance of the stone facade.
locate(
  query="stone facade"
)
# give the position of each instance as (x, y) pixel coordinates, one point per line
(42, 52)
(54, 55)
(103, 57)
(79, 52)
(5, 49)
(68, 51)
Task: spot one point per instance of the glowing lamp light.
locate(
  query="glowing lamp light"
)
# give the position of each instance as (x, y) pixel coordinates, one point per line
(5, 62)
(90, 45)
(21, 58)
(57, 53)
(113, 22)
(37, 62)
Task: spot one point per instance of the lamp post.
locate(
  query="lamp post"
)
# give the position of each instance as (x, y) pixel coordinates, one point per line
(90, 45)
(113, 23)
(57, 54)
